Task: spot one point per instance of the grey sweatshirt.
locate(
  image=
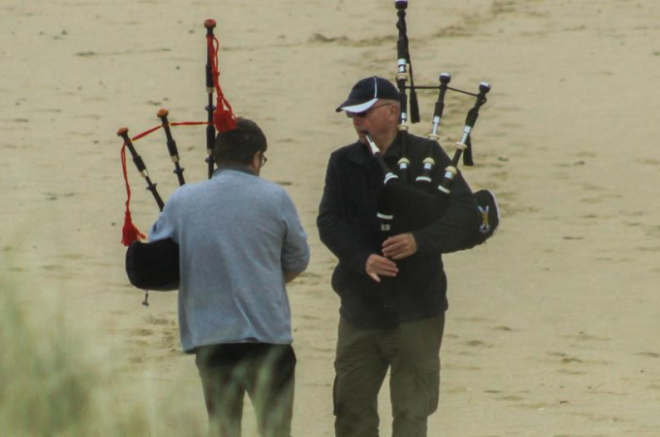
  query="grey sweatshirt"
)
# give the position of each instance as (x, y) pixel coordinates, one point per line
(237, 233)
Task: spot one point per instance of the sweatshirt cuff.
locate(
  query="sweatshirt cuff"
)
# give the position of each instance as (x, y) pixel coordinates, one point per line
(359, 261)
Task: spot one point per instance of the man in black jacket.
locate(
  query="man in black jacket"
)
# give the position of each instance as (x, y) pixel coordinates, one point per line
(392, 290)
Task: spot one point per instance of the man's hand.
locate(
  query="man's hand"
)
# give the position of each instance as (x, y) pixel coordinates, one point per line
(290, 276)
(379, 265)
(400, 246)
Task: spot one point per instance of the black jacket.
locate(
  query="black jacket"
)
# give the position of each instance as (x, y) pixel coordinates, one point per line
(348, 226)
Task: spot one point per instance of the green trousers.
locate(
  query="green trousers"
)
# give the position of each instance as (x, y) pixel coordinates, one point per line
(412, 353)
(266, 372)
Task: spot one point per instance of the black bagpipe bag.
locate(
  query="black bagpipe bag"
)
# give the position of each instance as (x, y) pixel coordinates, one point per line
(490, 219)
(153, 266)
(417, 205)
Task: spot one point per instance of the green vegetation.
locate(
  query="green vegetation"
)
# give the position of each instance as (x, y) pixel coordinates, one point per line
(49, 385)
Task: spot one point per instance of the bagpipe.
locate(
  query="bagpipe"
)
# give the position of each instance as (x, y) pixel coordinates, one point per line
(155, 265)
(405, 205)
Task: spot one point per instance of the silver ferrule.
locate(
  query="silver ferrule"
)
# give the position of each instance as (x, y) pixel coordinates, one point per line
(466, 133)
(389, 176)
(403, 65)
(436, 124)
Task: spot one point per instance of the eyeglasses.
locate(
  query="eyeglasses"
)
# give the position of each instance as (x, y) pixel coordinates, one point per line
(363, 114)
(264, 160)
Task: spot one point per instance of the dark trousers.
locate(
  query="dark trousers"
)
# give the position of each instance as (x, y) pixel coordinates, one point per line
(412, 353)
(265, 371)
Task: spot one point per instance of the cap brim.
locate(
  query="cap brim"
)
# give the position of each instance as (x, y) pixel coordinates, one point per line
(351, 106)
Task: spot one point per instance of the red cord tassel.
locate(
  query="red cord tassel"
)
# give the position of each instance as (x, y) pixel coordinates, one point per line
(130, 232)
(223, 120)
(223, 117)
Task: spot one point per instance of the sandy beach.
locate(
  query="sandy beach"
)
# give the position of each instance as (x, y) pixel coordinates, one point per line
(552, 328)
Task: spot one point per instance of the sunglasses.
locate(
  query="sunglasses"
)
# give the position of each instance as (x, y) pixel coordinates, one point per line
(363, 114)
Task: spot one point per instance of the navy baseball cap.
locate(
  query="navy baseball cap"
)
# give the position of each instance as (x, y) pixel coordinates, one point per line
(367, 92)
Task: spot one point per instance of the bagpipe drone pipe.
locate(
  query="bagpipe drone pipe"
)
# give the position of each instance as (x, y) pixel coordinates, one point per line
(155, 265)
(405, 205)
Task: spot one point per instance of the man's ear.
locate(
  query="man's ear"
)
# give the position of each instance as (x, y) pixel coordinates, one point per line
(255, 164)
(394, 112)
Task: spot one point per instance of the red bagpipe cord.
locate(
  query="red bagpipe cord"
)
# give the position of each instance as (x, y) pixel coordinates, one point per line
(130, 232)
(223, 117)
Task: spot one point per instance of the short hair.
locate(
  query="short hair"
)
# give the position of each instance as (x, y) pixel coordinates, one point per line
(239, 145)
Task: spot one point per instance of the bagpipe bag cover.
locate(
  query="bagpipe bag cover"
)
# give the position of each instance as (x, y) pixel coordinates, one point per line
(417, 205)
(153, 266)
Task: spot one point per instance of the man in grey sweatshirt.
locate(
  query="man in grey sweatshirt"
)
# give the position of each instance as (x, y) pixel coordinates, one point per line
(240, 240)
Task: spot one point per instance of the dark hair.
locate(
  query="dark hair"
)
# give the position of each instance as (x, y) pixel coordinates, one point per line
(239, 145)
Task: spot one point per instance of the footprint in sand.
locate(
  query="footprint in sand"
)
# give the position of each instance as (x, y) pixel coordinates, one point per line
(649, 354)
(583, 336)
(503, 328)
(649, 249)
(309, 278)
(649, 161)
(166, 333)
(478, 343)
(159, 321)
(142, 332)
(169, 340)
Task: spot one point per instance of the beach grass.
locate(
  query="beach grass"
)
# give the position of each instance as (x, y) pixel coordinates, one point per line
(51, 385)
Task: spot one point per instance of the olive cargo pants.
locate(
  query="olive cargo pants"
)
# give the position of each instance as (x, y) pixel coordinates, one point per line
(412, 352)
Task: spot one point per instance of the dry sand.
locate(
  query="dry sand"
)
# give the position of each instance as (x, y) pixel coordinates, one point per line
(553, 326)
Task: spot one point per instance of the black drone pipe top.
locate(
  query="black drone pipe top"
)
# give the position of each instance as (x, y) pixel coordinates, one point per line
(210, 108)
(171, 144)
(484, 88)
(142, 168)
(471, 120)
(402, 40)
(137, 159)
(403, 60)
(445, 78)
(210, 25)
